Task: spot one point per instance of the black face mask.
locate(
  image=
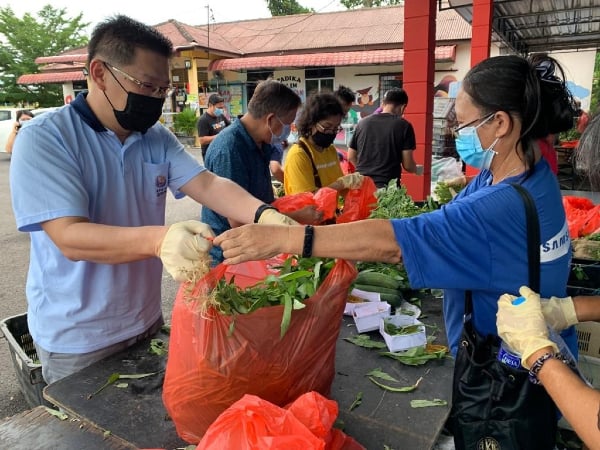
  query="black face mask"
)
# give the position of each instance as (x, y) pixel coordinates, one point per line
(140, 113)
(323, 140)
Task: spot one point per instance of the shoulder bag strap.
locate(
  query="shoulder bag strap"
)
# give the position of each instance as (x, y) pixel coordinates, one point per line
(302, 145)
(533, 246)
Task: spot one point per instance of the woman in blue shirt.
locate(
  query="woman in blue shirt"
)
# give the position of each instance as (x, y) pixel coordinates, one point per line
(478, 241)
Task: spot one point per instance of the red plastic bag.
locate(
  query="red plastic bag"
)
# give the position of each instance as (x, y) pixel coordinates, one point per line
(209, 367)
(252, 423)
(294, 202)
(326, 199)
(582, 216)
(359, 203)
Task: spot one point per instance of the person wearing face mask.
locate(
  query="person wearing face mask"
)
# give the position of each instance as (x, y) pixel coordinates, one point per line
(383, 144)
(95, 214)
(477, 241)
(313, 161)
(23, 116)
(242, 152)
(212, 122)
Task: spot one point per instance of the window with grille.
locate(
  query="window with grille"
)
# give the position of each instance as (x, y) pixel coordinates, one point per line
(387, 82)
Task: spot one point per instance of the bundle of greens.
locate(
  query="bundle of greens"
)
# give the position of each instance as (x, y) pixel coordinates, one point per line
(297, 280)
(393, 202)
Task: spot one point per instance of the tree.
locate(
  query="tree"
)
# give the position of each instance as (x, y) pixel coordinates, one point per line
(286, 7)
(595, 101)
(28, 38)
(351, 4)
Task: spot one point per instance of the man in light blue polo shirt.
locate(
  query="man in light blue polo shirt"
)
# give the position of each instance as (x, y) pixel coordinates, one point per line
(89, 183)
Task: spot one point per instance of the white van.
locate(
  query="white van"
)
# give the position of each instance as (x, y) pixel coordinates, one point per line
(8, 117)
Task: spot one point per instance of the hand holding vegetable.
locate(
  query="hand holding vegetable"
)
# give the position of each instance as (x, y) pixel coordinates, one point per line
(257, 242)
(559, 312)
(522, 327)
(185, 245)
(458, 182)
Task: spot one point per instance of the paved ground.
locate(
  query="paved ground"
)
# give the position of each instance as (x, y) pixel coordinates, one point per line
(14, 261)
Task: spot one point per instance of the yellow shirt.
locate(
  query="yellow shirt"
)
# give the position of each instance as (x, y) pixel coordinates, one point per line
(299, 170)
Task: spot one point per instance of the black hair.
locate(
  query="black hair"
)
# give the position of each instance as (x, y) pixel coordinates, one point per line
(396, 97)
(117, 38)
(318, 106)
(272, 97)
(24, 112)
(345, 94)
(533, 91)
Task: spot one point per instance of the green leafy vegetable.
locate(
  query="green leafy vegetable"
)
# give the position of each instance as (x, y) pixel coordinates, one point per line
(298, 279)
(394, 202)
(396, 389)
(427, 403)
(357, 401)
(363, 340)
(377, 373)
(158, 347)
(417, 356)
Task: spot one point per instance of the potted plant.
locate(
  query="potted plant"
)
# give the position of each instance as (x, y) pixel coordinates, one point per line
(184, 126)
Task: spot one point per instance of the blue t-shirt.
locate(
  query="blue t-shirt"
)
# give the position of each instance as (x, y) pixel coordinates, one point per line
(66, 164)
(478, 242)
(233, 154)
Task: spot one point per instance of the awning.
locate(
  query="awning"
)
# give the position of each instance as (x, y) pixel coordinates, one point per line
(51, 77)
(365, 57)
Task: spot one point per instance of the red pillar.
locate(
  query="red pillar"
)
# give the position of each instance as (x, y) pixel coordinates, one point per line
(481, 34)
(481, 37)
(418, 78)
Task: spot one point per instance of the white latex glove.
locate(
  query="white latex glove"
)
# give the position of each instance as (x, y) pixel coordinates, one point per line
(274, 217)
(458, 182)
(522, 326)
(184, 247)
(350, 181)
(559, 312)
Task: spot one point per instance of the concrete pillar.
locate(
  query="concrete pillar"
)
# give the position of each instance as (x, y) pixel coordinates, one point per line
(418, 78)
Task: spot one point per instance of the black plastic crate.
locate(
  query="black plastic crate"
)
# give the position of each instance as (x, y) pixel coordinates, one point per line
(25, 359)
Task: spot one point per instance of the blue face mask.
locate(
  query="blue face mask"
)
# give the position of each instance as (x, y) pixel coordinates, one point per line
(219, 111)
(285, 133)
(470, 150)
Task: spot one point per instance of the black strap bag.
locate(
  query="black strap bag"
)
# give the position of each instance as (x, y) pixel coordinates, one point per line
(494, 406)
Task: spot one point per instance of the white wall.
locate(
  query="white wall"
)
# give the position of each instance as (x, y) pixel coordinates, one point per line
(579, 70)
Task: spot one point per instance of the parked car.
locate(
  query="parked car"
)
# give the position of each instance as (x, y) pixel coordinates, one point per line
(8, 117)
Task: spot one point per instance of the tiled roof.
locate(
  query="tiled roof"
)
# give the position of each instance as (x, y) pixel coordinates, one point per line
(357, 29)
(359, 36)
(55, 77)
(324, 59)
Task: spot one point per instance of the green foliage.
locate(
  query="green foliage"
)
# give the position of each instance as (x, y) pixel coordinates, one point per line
(393, 202)
(286, 7)
(595, 101)
(184, 123)
(351, 4)
(27, 38)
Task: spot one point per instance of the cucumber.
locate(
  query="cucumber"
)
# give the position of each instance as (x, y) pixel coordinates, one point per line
(393, 299)
(378, 279)
(380, 289)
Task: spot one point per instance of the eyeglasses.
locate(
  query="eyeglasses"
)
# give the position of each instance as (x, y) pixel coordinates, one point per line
(484, 119)
(157, 91)
(322, 129)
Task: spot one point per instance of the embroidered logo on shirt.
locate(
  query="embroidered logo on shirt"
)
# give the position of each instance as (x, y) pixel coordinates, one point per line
(161, 185)
(557, 246)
